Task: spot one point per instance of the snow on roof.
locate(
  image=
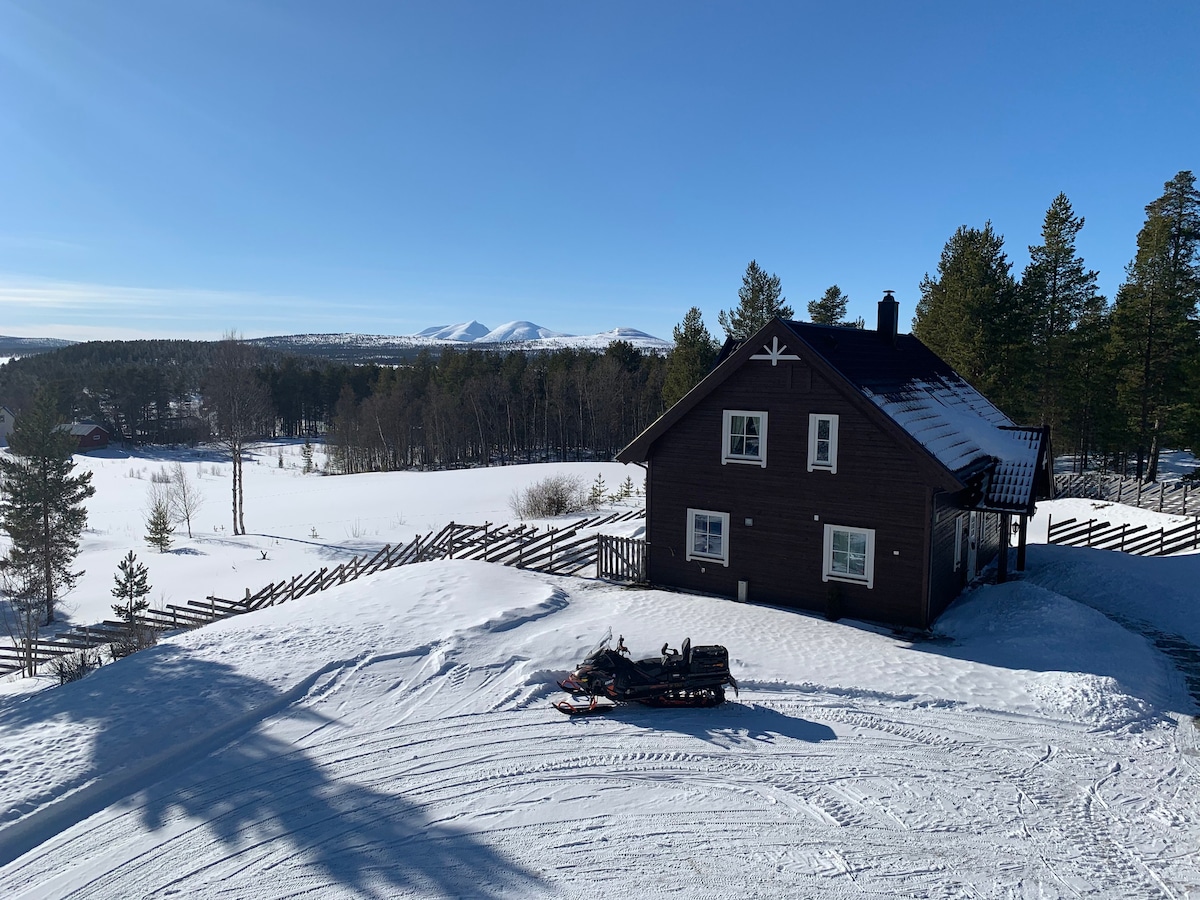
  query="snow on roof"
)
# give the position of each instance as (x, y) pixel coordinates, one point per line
(962, 429)
(947, 416)
(938, 408)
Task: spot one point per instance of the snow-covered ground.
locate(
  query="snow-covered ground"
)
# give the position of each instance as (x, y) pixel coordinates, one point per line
(394, 737)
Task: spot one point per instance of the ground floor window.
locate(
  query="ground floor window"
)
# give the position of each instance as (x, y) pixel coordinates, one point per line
(708, 535)
(849, 555)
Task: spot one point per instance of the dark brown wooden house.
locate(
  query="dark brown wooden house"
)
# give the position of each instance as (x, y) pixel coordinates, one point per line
(838, 470)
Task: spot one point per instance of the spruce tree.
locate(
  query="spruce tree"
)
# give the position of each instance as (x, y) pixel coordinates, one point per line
(158, 521)
(969, 316)
(1154, 335)
(1057, 291)
(830, 309)
(41, 501)
(759, 299)
(690, 359)
(131, 589)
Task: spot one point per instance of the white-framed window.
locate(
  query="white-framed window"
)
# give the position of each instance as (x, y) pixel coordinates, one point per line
(960, 524)
(822, 442)
(744, 437)
(708, 535)
(849, 555)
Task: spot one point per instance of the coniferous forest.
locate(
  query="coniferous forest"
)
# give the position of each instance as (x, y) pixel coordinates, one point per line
(1117, 381)
(456, 408)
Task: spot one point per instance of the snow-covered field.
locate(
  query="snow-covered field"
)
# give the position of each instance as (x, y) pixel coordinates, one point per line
(394, 737)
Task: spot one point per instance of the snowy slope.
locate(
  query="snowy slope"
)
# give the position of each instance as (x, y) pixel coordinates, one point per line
(464, 331)
(518, 331)
(393, 737)
(518, 335)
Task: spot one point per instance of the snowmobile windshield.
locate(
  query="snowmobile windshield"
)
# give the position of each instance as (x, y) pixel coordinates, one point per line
(600, 647)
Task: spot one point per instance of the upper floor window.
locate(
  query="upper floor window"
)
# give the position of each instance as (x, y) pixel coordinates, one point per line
(822, 442)
(708, 536)
(745, 437)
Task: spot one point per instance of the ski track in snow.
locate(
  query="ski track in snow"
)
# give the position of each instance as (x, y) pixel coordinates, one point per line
(422, 772)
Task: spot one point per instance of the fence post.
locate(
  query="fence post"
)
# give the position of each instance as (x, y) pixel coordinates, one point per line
(1160, 541)
(1124, 525)
(1049, 527)
(1091, 522)
(1161, 485)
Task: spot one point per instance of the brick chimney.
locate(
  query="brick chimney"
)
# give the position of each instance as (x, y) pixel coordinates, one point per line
(889, 317)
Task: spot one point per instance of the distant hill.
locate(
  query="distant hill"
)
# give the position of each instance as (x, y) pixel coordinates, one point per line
(518, 335)
(467, 331)
(21, 346)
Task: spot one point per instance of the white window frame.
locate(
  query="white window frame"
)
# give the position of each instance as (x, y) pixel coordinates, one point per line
(727, 437)
(689, 550)
(813, 421)
(828, 574)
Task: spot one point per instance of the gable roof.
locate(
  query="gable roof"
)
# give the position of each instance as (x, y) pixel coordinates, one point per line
(915, 390)
(80, 429)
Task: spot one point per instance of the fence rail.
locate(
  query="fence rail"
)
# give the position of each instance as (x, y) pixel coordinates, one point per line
(555, 551)
(1177, 498)
(1136, 539)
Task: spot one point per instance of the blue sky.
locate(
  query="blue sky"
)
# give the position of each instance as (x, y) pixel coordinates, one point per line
(192, 167)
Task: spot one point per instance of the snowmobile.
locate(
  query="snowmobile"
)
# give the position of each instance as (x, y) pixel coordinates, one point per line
(689, 676)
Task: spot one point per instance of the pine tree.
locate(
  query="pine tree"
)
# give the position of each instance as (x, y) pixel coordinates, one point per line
(690, 359)
(1153, 322)
(158, 520)
(597, 493)
(830, 309)
(131, 589)
(306, 454)
(759, 299)
(41, 502)
(969, 316)
(1057, 291)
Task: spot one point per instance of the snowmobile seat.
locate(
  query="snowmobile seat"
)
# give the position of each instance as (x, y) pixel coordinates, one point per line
(685, 654)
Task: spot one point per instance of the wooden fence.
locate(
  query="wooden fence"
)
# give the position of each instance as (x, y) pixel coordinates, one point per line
(620, 558)
(1126, 538)
(556, 551)
(1177, 498)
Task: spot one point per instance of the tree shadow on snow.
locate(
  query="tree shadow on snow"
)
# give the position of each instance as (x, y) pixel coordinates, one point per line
(179, 736)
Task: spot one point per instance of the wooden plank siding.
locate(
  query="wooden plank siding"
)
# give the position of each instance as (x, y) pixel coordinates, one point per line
(879, 485)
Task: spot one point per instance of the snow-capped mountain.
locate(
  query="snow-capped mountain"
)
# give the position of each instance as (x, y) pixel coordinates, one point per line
(519, 331)
(517, 335)
(464, 331)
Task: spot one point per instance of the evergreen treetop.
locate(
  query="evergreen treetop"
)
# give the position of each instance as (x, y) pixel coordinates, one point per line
(759, 299)
(830, 309)
(690, 359)
(969, 317)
